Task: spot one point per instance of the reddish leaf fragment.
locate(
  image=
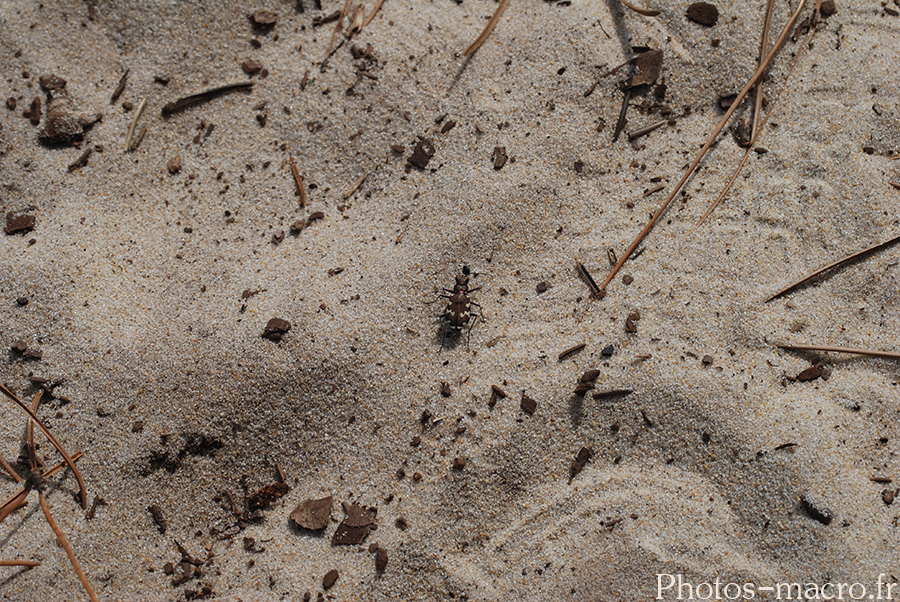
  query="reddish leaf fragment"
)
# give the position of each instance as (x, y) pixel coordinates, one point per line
(313, 514)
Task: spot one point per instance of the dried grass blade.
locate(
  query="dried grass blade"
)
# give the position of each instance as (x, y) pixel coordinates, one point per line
(709, 142)
(869, 352)
(69, 462)
(797, 283)
(487, 30)
(641, 11)
(67, 547)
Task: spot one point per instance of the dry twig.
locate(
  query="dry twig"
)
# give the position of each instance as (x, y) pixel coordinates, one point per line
(869, 352)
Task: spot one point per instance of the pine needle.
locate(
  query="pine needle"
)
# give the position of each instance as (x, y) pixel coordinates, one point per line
(797, 283)
(65, 544)
(639, 10)
(487, 30)
(869, 352)
(709, 142)
(69, 462)
(29, 563)
(372, 14)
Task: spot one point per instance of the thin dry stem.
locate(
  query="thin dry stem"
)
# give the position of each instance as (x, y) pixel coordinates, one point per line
(337, 26)
(797, 283)
(29, 563)
(869, 352)
(709, 142)
(67, 547)
(10, 470)
(69, 462)
(641, 11)
(13, 503)
(372, 14)
(487, 30)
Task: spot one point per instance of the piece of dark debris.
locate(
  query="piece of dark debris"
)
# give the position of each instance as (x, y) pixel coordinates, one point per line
(398, 149)
(499, 157)
(631, 322)
(815, 510)
(381, 559)
(578, 464)
(355, 527)
(888, 495)
(266, 496)
(276, 328)
(459, 463)
(11, 103)
(161, 523)
(703, 13)
(571, 351)
(278, 237)
(707, 360)
(422, 154)
(313, 514)
(448, 126)
(811, 373)
(314, 216)
(329, 579)
(263, 19)
(608, 351)
(445, 389)
(174, 165)
(528, 405)
(297, 226)
(251, 67)
(63, 124)
(16, 224)
(496, 393)
(542, 287)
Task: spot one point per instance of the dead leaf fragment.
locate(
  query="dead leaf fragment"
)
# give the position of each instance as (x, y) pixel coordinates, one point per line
(313, 514)
(650, 64)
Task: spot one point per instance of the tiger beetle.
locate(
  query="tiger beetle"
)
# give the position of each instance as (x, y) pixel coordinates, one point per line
(459, 304)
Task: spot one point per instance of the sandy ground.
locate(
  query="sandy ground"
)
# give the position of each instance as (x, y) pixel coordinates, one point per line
(148, 293)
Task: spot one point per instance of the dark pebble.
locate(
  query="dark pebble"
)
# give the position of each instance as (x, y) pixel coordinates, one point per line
(174, 165)
(811, 373)
(445, 390)
(11, 103)
(459, 463)
(703, 13)
(827, 8)
(543, 287)
(608, 351)
(277, 236)
(422, 154)
(275, 328)
(887, 496)
(18, 223)
(329, 579)
(264, 18)
(22, 301)
(381, 559)
(500, 157)
(707, 360)
(251, 67)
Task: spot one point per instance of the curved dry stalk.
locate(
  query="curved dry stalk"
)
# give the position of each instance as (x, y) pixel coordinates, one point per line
(372, 14)
(707, 145)
(869, 352)
(639, 10)
(487, 30)
(10, 470)
(337, 26)
(28, 563)
(797, 283)
(69, 462)
(65, 544)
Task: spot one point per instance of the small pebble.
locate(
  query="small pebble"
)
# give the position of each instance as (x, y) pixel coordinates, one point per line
(608, 351)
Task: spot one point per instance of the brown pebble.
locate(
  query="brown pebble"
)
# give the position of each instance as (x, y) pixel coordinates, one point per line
(174, 165)
(33, 112)
(703, 13)
(630, 326)
(314, 216)
(417, 476)
(313, 514)
(543, 287)
(381, 559)
(22, 301)
(811, 373)
(398, 149)
(251, 67)
(277, 236)
(11, 103)
(459, 463)
(887, 496)
(499, 157)
(827, 8)
(137, 427)
(528, 405)
(416, 441)
(627, 279)
(275, 328)
(264, 18)
(297, 226)
(589, 376)
(448, 126)
(707, 360)
(329, 579)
